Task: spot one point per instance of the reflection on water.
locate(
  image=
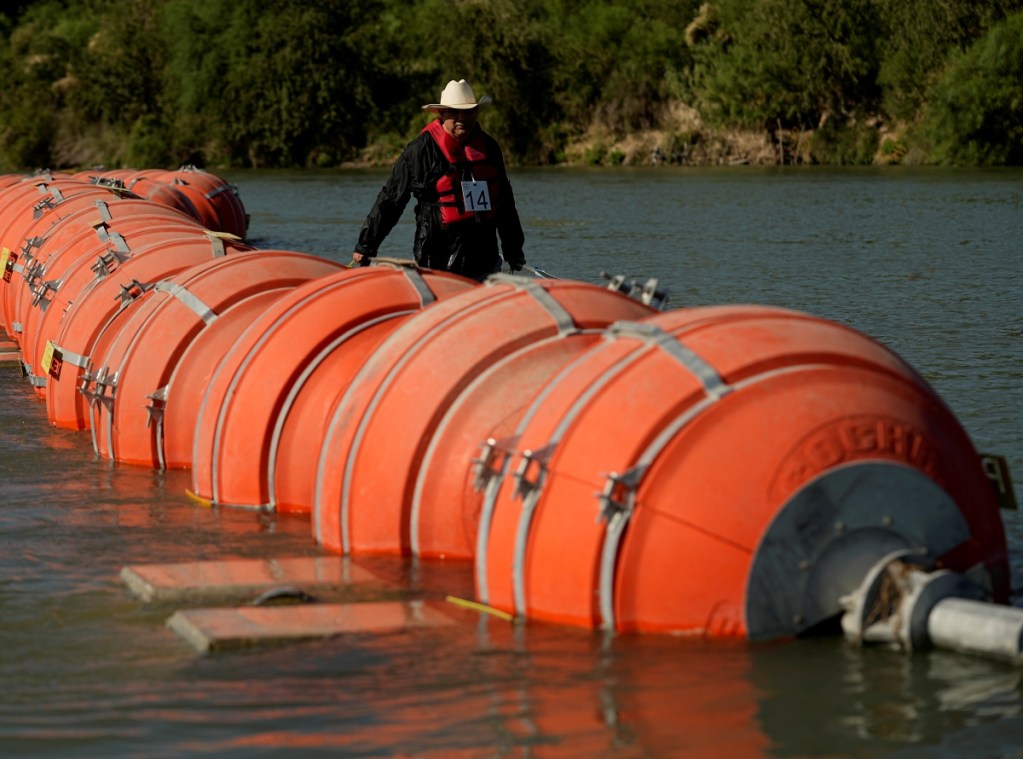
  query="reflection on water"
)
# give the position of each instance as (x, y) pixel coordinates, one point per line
(925, 261)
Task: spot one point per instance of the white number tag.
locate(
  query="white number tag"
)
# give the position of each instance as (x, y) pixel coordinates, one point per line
(477, 196)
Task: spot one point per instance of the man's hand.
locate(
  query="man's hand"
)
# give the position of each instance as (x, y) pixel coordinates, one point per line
(358, 259)
(515, 263)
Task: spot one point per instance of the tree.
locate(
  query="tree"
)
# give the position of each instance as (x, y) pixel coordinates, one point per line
(287, 85)
(796, 63)
(920, 35)
(975, 111)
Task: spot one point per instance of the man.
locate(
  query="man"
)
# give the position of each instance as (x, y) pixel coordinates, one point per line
(464, 200)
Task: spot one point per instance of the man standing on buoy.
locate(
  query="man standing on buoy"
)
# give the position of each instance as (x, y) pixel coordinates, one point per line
(464, 199)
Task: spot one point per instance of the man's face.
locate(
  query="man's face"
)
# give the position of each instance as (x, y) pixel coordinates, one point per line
(458, 122)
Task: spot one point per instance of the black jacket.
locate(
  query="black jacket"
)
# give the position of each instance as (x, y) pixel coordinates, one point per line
(469, 247)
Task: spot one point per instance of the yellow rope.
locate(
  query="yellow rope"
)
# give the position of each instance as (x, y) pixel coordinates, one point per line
(476, 606)
(198, 499)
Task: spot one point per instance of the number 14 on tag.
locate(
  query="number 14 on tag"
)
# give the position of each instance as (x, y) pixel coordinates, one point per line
(477, 196)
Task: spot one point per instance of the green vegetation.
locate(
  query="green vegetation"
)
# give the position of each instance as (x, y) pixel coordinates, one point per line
(281, 83)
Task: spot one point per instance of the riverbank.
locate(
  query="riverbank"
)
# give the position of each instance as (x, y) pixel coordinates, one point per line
(684, 139)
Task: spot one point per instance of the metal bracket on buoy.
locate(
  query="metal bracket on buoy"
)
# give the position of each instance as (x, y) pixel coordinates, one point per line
(31, 269)
(47, 204)
(646, 293)
(106, 262)
(617, 494)
(154, 410)
(904, 602)
(523, 485)
(30, 243)
(132, 291)
(485, 467)
(154, 413)
(100, 381)
(39, 292)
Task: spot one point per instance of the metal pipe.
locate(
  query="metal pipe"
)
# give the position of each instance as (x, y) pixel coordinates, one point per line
(977, 627)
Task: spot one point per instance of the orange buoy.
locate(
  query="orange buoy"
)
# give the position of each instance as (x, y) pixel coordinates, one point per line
(213, 196)
(70, 335)
(96, 225)
(469, 442)
(255, 384)
(381, 428)
(23, 223)
(156, 191)
(58, 281)
(127, 386)
(726, 471)
(194, 372)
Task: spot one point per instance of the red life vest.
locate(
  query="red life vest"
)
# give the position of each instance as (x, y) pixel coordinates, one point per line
(465, 162)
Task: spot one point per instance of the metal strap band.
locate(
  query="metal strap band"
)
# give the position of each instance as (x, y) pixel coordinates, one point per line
(191, 302)
(217, 243)
(34, 380)
(120, 244)
(426, 295)
(222, 188)
(16, 326)
(619, 512)
(70, 357)
(539, 293)
(529, 492)
(519, 556)
(608, 561)
(104, 210)
(561, 317)
(654, 335)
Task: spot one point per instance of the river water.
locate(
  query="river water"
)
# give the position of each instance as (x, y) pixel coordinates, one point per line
(928, 262)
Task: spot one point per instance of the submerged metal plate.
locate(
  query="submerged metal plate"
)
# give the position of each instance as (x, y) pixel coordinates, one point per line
(826, 537)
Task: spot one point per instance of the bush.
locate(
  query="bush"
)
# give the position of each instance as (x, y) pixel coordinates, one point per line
(975, 112)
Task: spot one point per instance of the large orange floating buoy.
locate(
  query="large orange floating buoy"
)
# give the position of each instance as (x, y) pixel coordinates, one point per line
(246, 406)
(109, 297)
(381, 428)
(29, 220)
(51, 244)
(148, 186)
(127, 383)
(729, 471)
(213, 197)
(65, 268)
(193, 373)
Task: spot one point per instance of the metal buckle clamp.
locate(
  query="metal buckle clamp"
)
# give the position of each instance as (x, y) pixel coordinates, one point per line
(618, 493)
(154, 411)
(39, 292)
(491, 462)
(132, 291)
(94, 385)
(523, 485)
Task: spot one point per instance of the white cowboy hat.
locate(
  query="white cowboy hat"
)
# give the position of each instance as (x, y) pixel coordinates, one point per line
(458, 95)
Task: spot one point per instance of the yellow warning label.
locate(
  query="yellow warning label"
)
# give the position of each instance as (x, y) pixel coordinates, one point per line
(47, 356)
